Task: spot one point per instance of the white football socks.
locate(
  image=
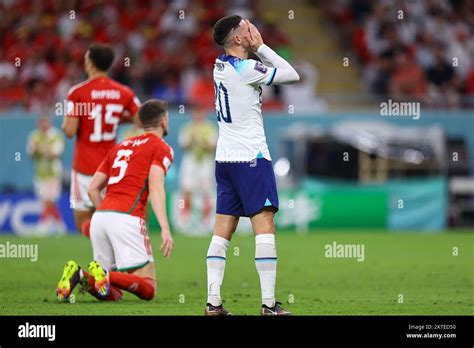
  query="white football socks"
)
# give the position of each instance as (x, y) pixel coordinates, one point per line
(266, 263)
(216, 256)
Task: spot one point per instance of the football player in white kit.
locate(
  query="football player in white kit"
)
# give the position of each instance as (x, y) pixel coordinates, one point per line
(244, 172)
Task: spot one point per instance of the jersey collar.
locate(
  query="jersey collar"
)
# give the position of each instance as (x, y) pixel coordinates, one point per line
(234, 61)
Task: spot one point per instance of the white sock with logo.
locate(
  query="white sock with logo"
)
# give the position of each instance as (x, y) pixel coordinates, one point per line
(266, 263)
(216, 257)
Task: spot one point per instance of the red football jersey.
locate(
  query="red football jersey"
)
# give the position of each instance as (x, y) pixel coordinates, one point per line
(101, 104)
(127, 166)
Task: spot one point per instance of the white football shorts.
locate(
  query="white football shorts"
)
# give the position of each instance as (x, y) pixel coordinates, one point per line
(79, 198)
(120, 241)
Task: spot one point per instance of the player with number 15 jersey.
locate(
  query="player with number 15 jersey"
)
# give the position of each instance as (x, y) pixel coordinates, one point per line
(110, 104)
(95, 109)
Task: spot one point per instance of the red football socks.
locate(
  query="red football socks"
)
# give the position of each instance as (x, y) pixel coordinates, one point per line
(85, 228)
(144, 288)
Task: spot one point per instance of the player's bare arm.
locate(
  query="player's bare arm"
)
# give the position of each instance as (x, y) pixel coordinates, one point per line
(97, 184)
(253, 42)
(70, 126)
(130, 118)
(156, 187)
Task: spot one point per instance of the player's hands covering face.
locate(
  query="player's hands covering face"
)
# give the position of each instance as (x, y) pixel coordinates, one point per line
(253, 38)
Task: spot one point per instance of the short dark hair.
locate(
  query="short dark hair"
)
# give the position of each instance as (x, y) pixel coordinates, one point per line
(151, 112)
(102, 56)
(223, 27)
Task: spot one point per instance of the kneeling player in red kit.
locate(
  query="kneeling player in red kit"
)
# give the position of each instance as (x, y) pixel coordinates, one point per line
(133, 170)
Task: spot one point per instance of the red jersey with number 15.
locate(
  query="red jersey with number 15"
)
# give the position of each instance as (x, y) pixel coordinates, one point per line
(101, 104)
(127, 167)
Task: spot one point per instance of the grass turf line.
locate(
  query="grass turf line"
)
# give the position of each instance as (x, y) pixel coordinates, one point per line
(421, 267)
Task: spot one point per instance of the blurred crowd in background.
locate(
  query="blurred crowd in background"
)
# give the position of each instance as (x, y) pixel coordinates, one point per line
(412, 49)
(417, 50)
(164, 49)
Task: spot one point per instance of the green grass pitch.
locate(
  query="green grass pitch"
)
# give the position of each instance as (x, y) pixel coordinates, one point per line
(421, 267)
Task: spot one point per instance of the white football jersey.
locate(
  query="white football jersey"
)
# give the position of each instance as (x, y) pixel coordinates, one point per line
(239, 108)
